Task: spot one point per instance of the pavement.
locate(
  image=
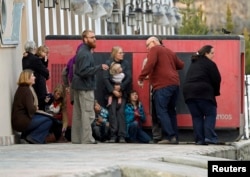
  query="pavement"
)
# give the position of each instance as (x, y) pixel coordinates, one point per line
(112, 160)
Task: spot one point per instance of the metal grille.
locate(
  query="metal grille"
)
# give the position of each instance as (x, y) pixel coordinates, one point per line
(56, 75)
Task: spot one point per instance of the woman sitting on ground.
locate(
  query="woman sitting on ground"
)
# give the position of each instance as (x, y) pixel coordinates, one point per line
(34, 127)
(56, 105)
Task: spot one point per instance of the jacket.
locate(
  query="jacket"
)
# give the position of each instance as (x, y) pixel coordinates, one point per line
(40, 72)
(85, 70)
(202, 80)
(126, 82)
(130, 116)
(161, 67)
(23, 108)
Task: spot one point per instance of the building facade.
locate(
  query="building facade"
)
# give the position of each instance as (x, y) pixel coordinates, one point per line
(22, 20)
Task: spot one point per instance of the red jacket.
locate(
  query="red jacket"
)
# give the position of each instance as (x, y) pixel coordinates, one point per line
(161, 67)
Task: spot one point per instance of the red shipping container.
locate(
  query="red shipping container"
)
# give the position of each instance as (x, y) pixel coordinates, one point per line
(229, 57)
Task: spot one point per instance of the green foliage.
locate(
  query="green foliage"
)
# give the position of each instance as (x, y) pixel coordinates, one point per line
(229, 24)
(193, 21)
(247, 50)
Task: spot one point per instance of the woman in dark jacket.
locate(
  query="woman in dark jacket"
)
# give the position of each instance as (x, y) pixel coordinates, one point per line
(30, 61)
(34, 127)
(201, 86)
(116, 111)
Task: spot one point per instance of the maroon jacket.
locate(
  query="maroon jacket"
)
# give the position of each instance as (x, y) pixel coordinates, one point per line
(161, 67)
(23, 108)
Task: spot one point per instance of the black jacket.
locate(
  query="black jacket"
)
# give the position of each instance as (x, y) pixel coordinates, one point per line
(202, 80)
(127, 81)
(41, 73)
(84, 77)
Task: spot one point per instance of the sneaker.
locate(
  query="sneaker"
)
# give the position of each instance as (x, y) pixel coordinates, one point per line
(122, 140)
(156, 140)
(172, 141)
(201, 143)
(112, 140)
(31, 141)
(24, 141)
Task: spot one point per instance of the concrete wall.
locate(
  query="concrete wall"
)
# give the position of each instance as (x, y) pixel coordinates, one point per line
(10, 68)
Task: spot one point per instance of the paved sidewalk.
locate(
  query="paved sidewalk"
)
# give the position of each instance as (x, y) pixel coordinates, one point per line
(107, 160)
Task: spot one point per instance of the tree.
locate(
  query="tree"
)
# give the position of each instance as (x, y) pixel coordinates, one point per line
(247, 50)
(229, 24)
(193, 20)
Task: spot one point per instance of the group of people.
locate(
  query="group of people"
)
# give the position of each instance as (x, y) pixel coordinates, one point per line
(121, 119)
(40, 116)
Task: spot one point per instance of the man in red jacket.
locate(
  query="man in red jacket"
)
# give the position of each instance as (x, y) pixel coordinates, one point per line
(161, 67)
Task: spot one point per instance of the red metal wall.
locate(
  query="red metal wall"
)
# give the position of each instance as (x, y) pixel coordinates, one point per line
(229, 57)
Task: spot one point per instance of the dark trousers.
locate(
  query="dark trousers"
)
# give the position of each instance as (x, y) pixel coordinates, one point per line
(101, 132)
(156, 125)
(204, 118)
(165, 105)
(137, 134)
(116, 119)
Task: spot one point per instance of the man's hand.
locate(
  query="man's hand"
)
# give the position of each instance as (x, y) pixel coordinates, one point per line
(105, 67)
(117, 94)
(140, 83)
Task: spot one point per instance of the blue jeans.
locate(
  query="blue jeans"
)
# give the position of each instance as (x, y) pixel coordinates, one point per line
(204, 118)
(137, 134)
(39, 128)
(165, 106)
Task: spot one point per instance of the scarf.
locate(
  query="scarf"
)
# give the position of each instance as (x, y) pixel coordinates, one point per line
(34, 96)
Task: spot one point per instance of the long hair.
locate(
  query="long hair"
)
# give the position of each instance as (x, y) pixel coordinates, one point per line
(129, 97)
(202, 52)
(114, 51)
(41, 49)
(61, 89)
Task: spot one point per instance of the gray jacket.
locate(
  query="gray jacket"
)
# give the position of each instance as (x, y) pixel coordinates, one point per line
(85, 70)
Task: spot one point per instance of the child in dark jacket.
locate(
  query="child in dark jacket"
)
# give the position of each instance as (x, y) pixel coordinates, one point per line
(135, 116)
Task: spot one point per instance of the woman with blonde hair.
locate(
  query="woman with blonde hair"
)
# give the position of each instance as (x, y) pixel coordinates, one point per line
(116, 110)
(42, 53)
(58, 108)
(34, 127)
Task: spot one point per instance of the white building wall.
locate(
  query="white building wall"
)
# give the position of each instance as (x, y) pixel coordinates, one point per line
(10, 68)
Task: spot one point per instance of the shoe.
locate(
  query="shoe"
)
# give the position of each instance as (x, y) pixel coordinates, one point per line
(112, 140)
(89, 142)
(24, 141)
(31, 141)
(122, 140)
(50, 138)
(95, 142)
(210, 142)
(201, 143)
(62, 139)
(156, 141)
(172, 141)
